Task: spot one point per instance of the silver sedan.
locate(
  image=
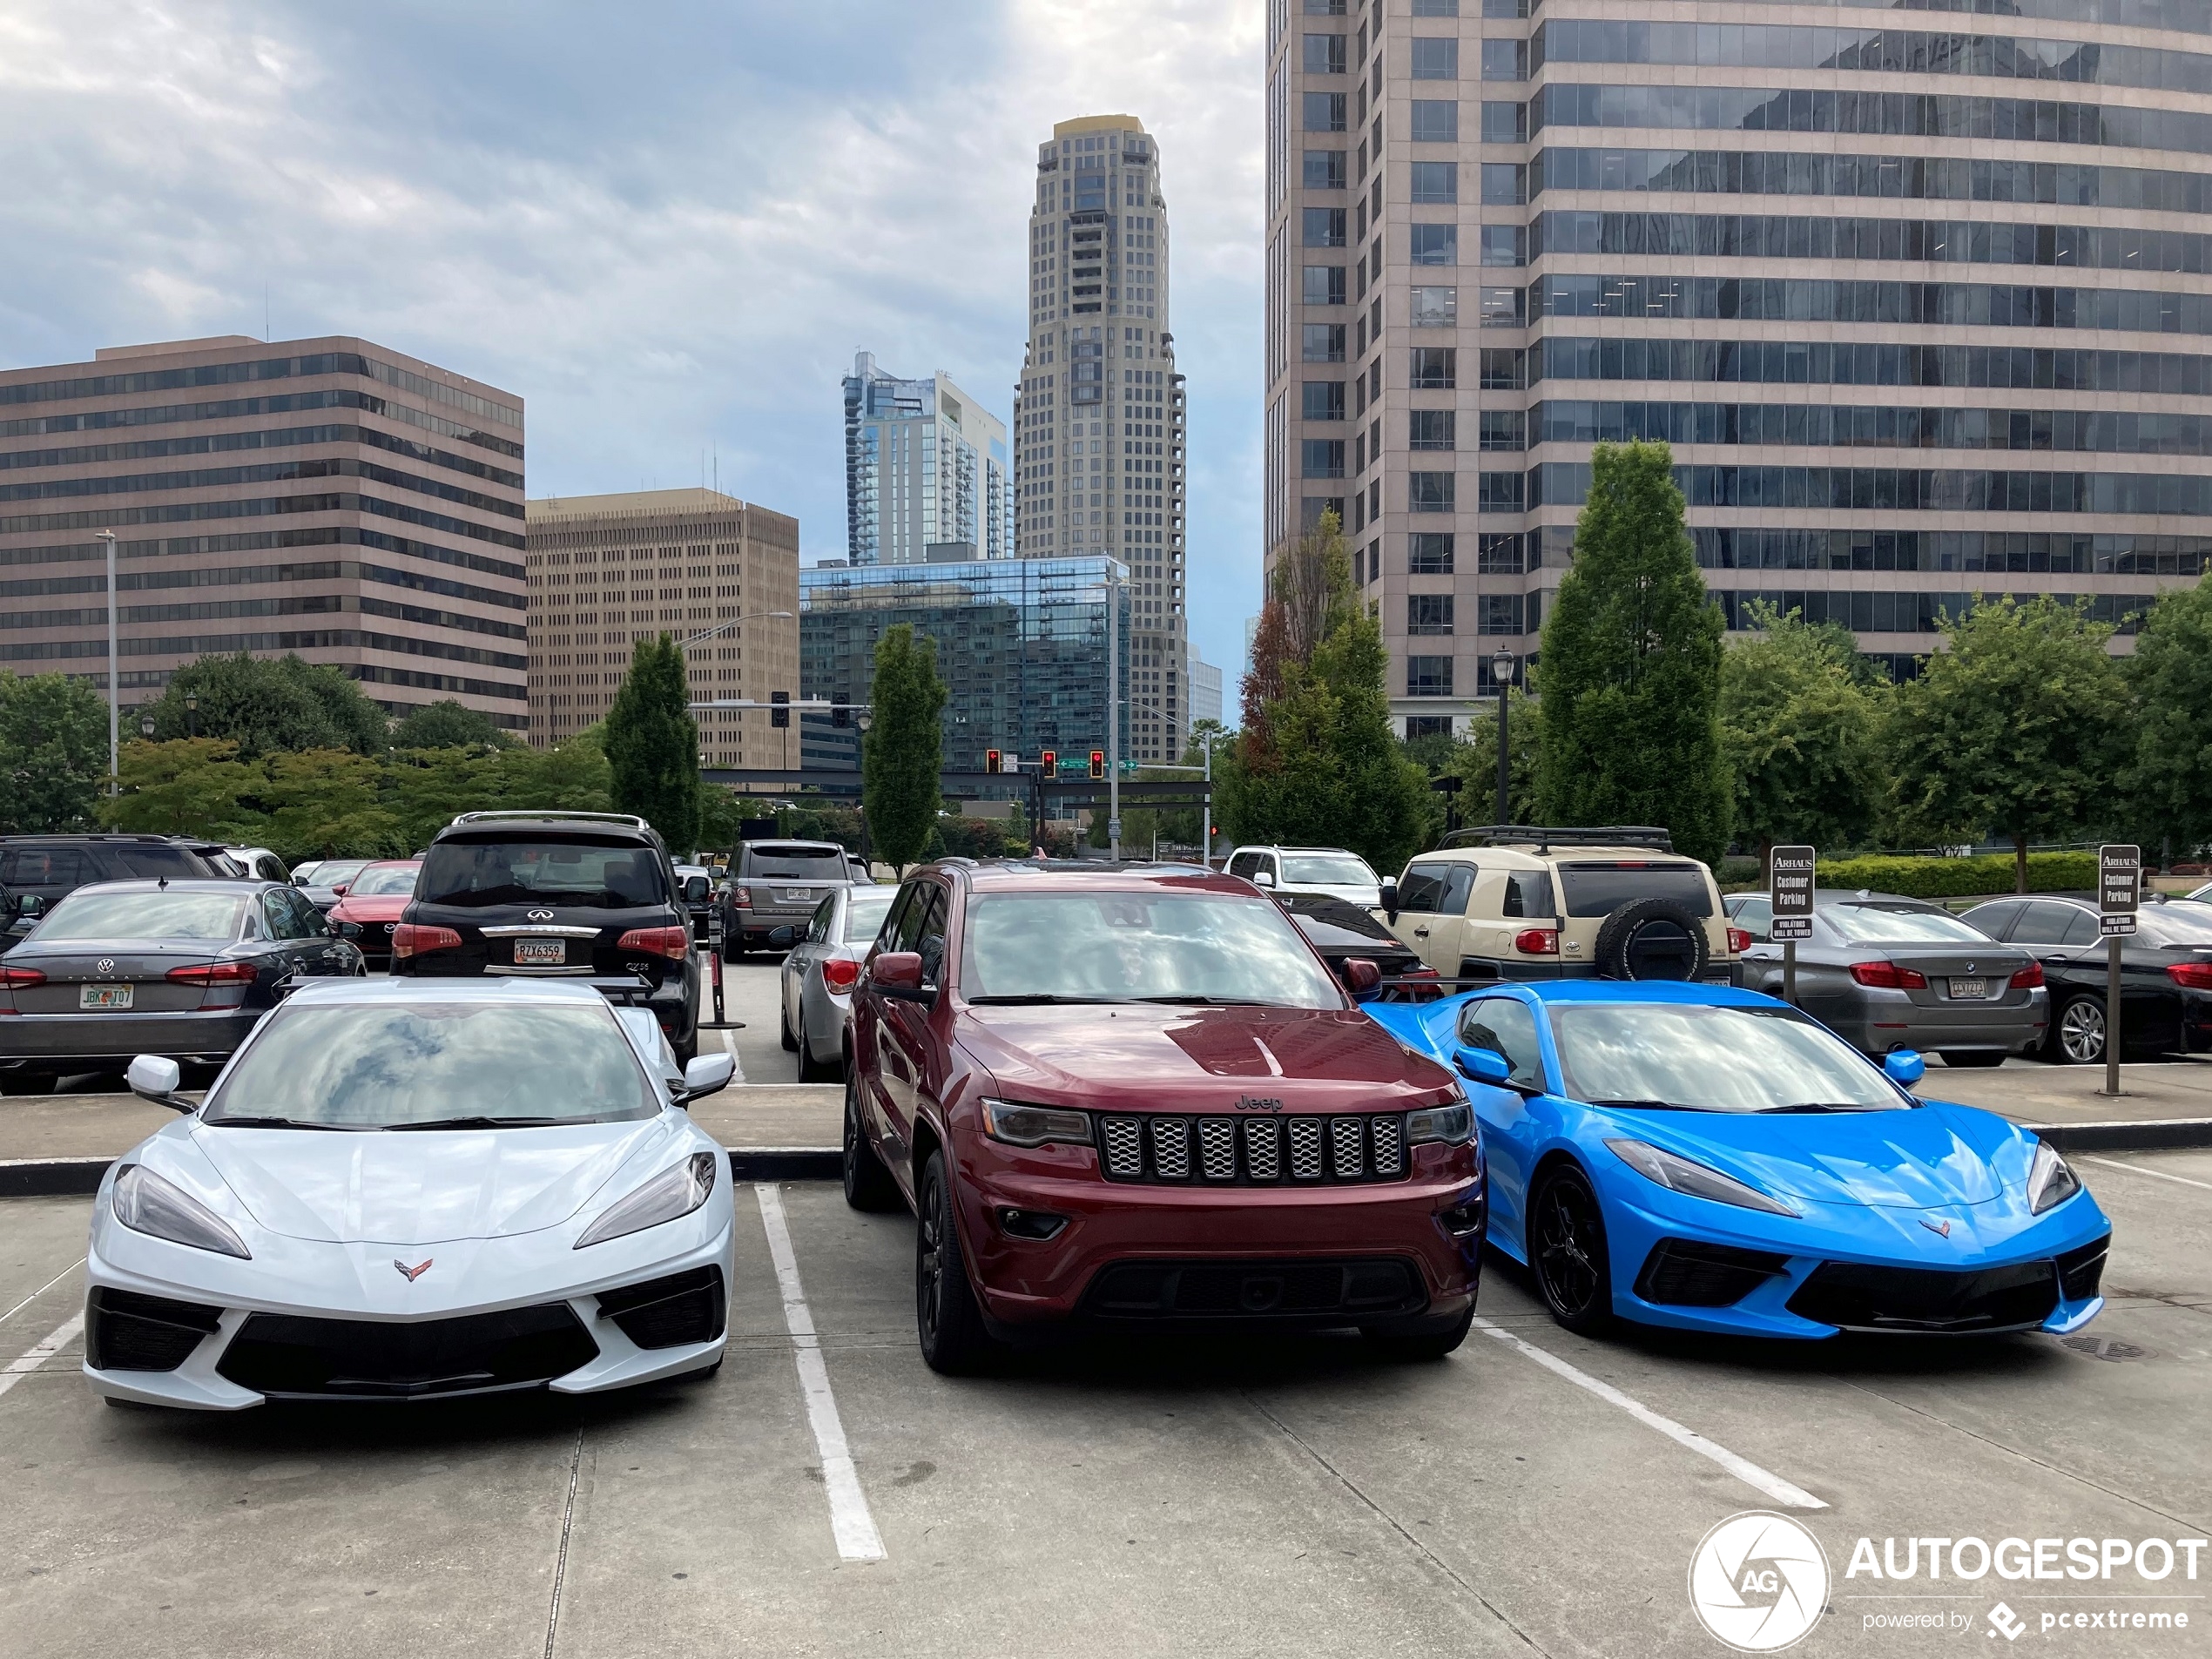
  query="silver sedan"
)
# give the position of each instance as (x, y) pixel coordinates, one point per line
(818, 974)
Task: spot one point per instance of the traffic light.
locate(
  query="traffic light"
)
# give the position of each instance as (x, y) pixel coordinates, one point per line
(1048, 763)
(779, 716)
(841, 716)
(991, 761)
(1098, 763)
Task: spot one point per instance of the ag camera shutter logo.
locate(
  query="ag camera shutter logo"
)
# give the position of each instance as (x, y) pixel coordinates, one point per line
(1758, 1582)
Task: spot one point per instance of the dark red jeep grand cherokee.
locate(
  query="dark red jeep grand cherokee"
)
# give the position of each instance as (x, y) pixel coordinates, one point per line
(1137, 1095)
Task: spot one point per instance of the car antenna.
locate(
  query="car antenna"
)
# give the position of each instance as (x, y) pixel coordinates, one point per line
(162, 886)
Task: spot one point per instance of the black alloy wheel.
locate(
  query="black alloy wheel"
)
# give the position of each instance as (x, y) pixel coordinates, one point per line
(946, 1318)
(1567, 1248)
(869, 1185)
(2078, 1034)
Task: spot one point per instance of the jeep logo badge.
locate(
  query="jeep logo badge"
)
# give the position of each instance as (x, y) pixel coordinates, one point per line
(1257, 1103)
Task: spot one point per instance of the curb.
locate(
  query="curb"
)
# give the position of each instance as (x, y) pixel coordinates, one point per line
(78, 1177)
(787, 1164)
(2152, 1134)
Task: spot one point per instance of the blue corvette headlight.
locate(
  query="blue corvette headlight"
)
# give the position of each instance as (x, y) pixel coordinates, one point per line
(1678, 1174)
(2050, 1180)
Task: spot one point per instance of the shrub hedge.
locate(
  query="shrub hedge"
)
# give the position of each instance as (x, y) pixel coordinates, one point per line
(1959, 878)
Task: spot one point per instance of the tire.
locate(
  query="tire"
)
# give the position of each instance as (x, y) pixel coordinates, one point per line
(1652, 939)
(1968, 1058)
(946, 1318)
(783, 1032)
(1417, 1344)
(2078, 1034)
(16, 1082)
(869, 1185)
(812, 1070)
(1567, 1249)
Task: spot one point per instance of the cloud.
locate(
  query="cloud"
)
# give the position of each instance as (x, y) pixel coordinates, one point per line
(668, 228)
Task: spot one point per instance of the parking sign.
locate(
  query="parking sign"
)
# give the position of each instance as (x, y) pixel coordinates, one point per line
(2119, 888)
(1791, 890)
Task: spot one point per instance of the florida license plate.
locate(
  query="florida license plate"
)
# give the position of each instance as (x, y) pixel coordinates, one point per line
(541, 953)
(104, 996)
(1969, 989)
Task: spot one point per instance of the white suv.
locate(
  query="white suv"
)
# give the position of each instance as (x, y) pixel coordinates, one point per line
(1516, 903)
(1328, 870)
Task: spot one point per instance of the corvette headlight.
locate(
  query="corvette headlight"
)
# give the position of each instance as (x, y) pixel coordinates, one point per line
(2051, 1180)
(1020, 1125)
(146, 1204)
(1680, 1175)
(1453, 1125)
(674, 1192)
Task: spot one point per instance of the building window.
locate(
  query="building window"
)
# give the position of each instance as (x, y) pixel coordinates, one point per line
(1436, 181)
(1428, 677)
(1503, 60)
(1505, 429)
(1324, 169)
(1502, 244)
(1432, 492)
(1435, 121)
(1329, 9)
(1324, 111)
(1429, 553)
(1436, 8)
(1437, 57)
(1435, 308)
(1497, 555)
(1435, 368)
(1325, 401)
(1498, 613)
(1324, 285)
(1312, 507)
(1324, 228)
(1503, 308)
(1505, 370)
(1323, 343)
(1322, 457)
(1435, 244)
(1325, 54)
(1493, 8)
(1498, 492)
(1501, 123)
(1434, 428)
(1429, 725)
(1428, 613)
(1505, 183)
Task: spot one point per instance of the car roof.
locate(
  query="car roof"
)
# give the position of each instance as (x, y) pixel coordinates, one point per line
(349, 991)
(1073, 875)
(118, 838)
(186, 884)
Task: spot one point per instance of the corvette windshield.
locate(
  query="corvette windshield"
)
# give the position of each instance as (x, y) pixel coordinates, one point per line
(395, 1066)
(1126, 947)
(1705, 1059)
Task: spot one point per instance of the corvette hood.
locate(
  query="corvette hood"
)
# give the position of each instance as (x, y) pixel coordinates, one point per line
(1937, 1156)
(421, 1187)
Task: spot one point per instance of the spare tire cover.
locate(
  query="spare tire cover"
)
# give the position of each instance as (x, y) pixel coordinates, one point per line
(1652, 939)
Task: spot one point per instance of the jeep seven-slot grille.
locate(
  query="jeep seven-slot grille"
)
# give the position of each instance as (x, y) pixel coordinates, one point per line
(1258, 1150)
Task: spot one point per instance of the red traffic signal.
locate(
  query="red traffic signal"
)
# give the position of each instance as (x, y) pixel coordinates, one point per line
(991, 761)
(1098, 763)
(1048, 763)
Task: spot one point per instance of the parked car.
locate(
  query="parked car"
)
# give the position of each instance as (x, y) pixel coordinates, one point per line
(1518, 903)
(1884, 972)
(330, 881)
(776, 884)
(257, 863)
(818, 974)
(2165, 974)
(1711, 1159)
(374, 903)
(178, 968)
(556, 896)
(1343, 934)
(2203, 893)
(303, 870)
(1136, 1097)
(1329, 872)
(42, 870)
(555, 1220)
(695, 882)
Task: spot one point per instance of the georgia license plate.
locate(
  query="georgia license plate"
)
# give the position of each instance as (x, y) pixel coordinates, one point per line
(104, 996)
(541, 953)
(1974, 989)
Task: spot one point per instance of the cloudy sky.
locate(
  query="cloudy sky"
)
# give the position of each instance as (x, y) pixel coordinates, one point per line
(667, 224)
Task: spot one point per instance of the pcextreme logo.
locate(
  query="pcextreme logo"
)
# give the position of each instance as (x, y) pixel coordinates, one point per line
(1758, 1582)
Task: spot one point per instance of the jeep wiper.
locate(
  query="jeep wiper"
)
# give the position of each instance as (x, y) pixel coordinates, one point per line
(483, 1123)
(1033, 999)
(1210, 1002)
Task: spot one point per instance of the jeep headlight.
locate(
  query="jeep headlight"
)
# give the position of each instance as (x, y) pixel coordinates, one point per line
(675, 1193)
(1452, 1125)
(1019, 1125)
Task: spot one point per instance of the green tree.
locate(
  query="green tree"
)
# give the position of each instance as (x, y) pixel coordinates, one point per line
(1631, 664)
(327, 803)
(901, 754)
(653, 744)
(269, 706)
(53, 751)
(571, 776)
(188, 786)
(1802, 736)
(2018, 729)
(1473, 760)
(2167, 783)
(425, 789)
(1389, 810)
(449, 724)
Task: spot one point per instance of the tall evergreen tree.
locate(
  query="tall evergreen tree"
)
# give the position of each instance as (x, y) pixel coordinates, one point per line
(2168, 784)
(1631, 664)
(652, 744)
(903, 751)
(53, 751)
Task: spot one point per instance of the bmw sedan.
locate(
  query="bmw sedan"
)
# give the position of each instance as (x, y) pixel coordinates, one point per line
(410, 1191)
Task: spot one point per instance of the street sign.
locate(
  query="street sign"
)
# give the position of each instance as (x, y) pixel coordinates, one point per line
(2120, 871)
(1790, 891)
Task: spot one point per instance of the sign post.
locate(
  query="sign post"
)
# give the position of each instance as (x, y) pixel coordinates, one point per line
(1790, 891)
(2120, 871)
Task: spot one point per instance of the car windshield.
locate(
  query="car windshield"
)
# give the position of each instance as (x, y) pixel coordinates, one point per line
(138, 914)
(382, 880)
(865, 911)
(1124, 946)
(329, 875)
(601, 875)
(396, 1065)
(1600, 889)
(1894, 924)
(1327, 870)
(1697, 1057)
(798, 863)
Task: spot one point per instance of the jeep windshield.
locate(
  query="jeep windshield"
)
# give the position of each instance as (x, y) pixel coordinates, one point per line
(579, 873)
(1138, 947)
(1600, 889)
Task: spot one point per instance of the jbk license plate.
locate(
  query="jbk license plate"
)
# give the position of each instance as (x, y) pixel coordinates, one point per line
(104, 996)
(541, 953)
(1975, 990)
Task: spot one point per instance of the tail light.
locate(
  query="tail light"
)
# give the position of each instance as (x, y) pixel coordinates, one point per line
(840, 974)
(20, 979)
(1888, 976)
(413, 938)
(741, 897)
(1537, 941)
(1738, 941)
(2196, 976)
(214, 974)
(675, 943)
(2028, 979)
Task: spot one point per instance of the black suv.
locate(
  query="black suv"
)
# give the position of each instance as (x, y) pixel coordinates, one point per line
(549, 894)
(40, 871)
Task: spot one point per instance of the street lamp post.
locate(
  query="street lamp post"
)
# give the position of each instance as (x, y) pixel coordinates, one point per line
(191, 713)
(114, 709)
(1501, 666)
(723, 628)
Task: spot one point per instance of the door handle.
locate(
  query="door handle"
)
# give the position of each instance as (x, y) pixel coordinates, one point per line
(1421, 933)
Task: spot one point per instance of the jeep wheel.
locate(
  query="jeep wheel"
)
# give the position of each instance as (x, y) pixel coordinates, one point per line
(1652, 939)
(869, 1185)
(950, 1324)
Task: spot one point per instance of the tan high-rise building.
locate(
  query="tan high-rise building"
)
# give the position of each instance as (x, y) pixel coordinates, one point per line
(1838, 256)
(1100, 415)
(330, 497)
(606, 571)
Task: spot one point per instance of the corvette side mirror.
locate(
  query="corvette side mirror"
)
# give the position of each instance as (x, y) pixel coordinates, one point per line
(154, 1077)
(1483, 1066)
(1903, 1067)
(708, 1074)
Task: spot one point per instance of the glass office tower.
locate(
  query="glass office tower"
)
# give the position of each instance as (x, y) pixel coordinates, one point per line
(1918, 292)
(926, 471)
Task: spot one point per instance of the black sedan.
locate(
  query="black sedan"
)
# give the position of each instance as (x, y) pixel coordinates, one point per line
(1342, 932)
(182, 969)
(2165, 974)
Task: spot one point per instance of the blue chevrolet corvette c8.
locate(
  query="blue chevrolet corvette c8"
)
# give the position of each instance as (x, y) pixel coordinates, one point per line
(1711, 1159)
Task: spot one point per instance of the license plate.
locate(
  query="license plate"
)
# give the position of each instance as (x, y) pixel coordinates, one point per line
(799, 895)
(104, 996)
(541, 953)
(1974, 989)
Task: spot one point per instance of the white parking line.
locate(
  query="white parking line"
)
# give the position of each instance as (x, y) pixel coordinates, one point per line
(1743, 1468)
(42, 1290)
(47, 1347)
(2137, 1169)
(850, 1522)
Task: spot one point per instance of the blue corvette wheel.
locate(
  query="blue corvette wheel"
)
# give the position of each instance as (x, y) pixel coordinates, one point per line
(1567, 1232)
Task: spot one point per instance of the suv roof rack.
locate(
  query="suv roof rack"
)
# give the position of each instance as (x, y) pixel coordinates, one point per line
(631, 819)
(1594, 835)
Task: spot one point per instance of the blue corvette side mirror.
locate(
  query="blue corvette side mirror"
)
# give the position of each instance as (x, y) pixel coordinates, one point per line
(1483, 1066)
(1903, 1067)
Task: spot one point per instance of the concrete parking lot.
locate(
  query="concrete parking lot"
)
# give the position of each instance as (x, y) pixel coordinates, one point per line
(1535, 1493)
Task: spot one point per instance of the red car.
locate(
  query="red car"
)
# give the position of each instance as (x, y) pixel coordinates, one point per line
(1138, 1096)
(372, 905)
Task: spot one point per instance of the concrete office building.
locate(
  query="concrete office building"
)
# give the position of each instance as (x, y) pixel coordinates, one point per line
(606, 571)
(925, 471)
(1100, 419)
(330, 497)
(1919, 297)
